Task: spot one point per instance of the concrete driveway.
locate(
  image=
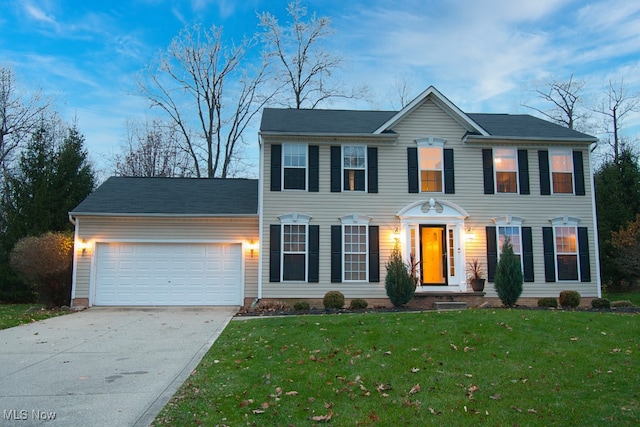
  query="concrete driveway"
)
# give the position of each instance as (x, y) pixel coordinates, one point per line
(102, 366)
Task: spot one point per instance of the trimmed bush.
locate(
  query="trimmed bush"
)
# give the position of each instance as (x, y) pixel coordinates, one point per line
(399, 285)
(508, 278)
(623, 303)
(358, 304)
(271, 305)
(333, 299)
(570, 299)
(301, 306)
(600, 303)
(548, 302)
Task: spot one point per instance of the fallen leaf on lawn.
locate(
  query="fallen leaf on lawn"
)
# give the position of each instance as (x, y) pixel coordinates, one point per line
(453, 346)
(532, 411)
(328, 405)
(265, 405)
(495, 396)
(468, 375)
(414, 370)
(414, 389)
(243, 403)
(258, 411)
(574, 338)
(387, 353)
(323, 418)
(291, 393)
(517, 409)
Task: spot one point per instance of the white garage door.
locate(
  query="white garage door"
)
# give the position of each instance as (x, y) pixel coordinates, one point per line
(168, 274)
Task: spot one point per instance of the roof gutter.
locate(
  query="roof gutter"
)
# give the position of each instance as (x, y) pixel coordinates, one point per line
(470, 139)
(383, 137)
(158, 215)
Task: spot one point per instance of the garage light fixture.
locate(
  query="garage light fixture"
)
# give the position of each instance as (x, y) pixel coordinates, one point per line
(252, 246)
(83, 245)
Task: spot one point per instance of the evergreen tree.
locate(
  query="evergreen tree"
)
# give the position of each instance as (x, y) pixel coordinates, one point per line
(399, 285)
(617, 187)
(508, 278)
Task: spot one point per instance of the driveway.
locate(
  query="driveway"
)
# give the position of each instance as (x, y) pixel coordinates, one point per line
(102, 366)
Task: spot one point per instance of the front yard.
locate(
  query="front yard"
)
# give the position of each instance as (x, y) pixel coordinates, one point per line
(463, 368)
(16, 314)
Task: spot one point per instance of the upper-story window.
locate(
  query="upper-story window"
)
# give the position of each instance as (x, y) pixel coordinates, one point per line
(430, 169)
(354, 166)
(561, 170)
(294, 162)
(506, 170)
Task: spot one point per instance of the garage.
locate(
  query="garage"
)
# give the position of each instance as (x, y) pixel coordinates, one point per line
(139, 274)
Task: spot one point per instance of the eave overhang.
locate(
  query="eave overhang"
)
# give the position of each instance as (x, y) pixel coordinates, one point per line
(483, 140)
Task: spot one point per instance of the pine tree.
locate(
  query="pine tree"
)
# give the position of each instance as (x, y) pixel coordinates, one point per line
(399, 285)
(508, 278)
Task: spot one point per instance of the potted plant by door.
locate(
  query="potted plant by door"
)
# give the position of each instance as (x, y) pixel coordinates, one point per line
(475, 273)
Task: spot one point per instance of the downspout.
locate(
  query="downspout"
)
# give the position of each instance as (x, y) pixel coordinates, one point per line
(595, 220)
(260, 215)
(74, 267)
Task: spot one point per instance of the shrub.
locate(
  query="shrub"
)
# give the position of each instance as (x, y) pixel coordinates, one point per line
(600, 303)
(399, 285)
(548, 302)
(508, 278)
(358, 304)
(301, 306)
(333, 299)
(44, 264)
(271, 305)
(569, 299)
(623, 303)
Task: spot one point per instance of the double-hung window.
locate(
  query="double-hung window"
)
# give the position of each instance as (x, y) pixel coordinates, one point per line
(506, 170)
(431, 166)
(354, 166)
(561, 170)
(566, 245)
(355, 252)
(294, 170)
(513, 234)
(294, 252)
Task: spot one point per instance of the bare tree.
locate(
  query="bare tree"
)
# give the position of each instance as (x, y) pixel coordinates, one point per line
(401, 92)
(205, 90)
(565, 98)
(304, 69)
(617, 104)
(19, 115)
(152, 148)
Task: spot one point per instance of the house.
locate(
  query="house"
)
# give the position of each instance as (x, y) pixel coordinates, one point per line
(337, 190)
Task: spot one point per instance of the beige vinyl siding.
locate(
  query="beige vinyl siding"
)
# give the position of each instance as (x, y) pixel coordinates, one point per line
(326, 207)
(159, 229)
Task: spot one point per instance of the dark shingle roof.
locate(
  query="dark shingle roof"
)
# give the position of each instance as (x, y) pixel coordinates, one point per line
(172, 196)
(523, 126)
(291, 120)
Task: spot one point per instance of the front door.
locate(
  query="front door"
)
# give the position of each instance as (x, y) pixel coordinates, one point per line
(433, 255)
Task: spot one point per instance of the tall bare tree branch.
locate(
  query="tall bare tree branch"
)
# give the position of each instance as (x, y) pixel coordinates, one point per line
(566, 101)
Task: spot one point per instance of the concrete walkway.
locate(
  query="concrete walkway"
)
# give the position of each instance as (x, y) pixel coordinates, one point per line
(102, 366)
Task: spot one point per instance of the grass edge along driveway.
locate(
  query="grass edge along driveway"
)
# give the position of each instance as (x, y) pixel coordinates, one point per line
(17, 314)
(464, 368)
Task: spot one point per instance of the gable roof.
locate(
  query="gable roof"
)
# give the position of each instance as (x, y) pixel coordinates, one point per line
(524, 126)
(305, 121)
(134, 196)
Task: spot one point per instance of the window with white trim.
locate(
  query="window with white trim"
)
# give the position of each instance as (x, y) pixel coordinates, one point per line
(354, 167)
(355, 252)
(561, 171)
(294, 170)
(513, 233)
(431, 165)
(506, 170)
(566, 246)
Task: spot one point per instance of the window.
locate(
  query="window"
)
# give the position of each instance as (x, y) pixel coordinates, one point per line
(294, 166)
(562, 171)
(506, 167)
(294, 251)
(355, 252)
(566, 252)
(354, 164)
(430, 169)
(513, 234)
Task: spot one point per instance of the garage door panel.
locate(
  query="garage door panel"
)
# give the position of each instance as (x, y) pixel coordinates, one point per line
(168, 274)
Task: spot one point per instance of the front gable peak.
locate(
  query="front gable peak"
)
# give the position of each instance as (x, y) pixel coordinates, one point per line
(433, 94)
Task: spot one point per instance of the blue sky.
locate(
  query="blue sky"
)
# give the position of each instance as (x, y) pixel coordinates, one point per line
(481, 54)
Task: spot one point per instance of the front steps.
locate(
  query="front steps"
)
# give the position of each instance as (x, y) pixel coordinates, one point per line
(428, 300)
(450, 305)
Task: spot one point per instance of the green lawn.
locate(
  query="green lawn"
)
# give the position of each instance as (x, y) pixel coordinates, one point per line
(464, 368)
(16, 314)
(633, 296)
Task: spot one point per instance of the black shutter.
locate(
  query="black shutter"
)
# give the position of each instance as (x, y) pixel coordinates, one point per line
(412, 168)
(549, 254)
(492, 253)
(336, 167)
(527, 254)
(523, 171)
(314, 253)
(336, 253)
(372, 169)
(583, 253)
(545, 178)
(578, 173)
(276, 166)
(374, 253)
(314, 168)
(487, 170)
(274, 253)
(449, 173)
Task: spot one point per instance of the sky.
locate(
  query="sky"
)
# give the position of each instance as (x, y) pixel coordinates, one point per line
(484, 55)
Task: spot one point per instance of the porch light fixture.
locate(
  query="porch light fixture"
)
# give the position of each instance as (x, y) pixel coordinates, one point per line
(468, 235)
(396, 235)
(252, 246)
(83, 245)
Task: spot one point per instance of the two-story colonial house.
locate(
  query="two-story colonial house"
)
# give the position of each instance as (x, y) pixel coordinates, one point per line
(337, 190)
